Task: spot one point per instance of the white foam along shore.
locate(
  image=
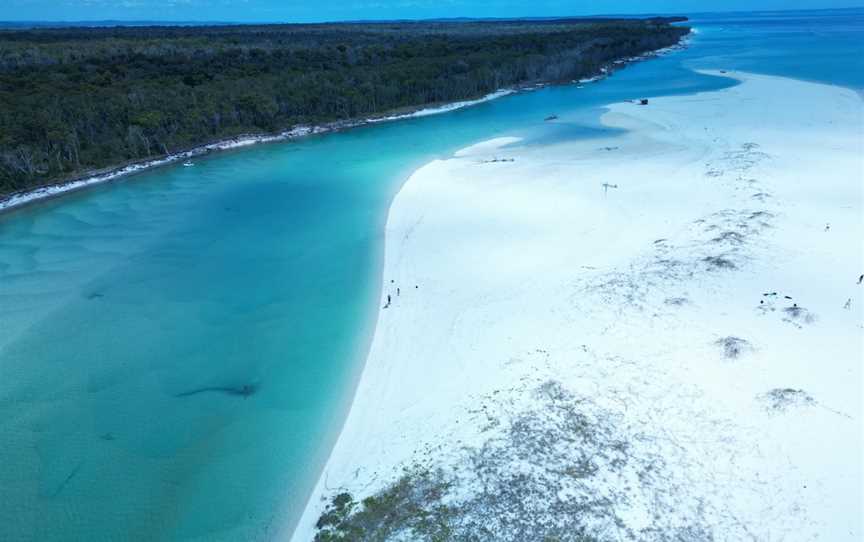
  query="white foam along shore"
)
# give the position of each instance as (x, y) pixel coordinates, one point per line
(27, 196)
(695, 279)
(445, 108)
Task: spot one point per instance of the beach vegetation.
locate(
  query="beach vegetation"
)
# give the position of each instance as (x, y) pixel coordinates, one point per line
(559, 469)
(410, 507)
(733, 347)
(782, 399)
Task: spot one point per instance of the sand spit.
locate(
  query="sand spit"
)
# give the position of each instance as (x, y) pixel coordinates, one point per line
(658, 336)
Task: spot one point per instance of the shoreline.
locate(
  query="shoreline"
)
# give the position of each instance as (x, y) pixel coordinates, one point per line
(398, 412)
(16, 200)
(289, 530)
(363, 343)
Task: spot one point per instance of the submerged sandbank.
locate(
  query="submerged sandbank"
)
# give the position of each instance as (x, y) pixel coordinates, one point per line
(694, 281)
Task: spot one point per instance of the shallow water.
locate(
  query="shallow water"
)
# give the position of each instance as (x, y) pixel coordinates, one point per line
(257, 268)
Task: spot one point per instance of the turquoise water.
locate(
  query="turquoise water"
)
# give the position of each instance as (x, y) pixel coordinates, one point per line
(259, 270)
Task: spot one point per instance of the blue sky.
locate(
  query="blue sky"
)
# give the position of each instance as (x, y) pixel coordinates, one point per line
(332, 10)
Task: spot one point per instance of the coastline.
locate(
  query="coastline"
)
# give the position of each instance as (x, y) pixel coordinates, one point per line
(288, 530)
(589, 315)
(16, 200)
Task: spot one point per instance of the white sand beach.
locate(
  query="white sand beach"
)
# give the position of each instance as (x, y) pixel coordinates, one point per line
(702, 314)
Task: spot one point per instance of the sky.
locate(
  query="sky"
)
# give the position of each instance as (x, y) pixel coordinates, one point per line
(340, 10)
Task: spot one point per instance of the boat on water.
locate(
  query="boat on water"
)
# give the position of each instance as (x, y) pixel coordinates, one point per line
(188, 163)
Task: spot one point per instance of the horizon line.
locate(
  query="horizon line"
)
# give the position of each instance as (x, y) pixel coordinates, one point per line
(203, 22)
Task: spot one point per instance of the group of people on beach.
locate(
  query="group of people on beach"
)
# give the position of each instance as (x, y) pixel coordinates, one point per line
(398, 294)
(847, 305)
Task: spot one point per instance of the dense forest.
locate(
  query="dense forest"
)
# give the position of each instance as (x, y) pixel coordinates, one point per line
(73, 100)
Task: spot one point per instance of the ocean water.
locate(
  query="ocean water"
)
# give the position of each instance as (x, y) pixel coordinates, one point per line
(824, 46)
(178, 349)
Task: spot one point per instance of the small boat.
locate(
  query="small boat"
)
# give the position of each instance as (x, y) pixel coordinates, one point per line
(188, 163)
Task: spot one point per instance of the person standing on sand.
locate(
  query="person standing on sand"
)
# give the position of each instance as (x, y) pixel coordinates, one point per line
(397, 292)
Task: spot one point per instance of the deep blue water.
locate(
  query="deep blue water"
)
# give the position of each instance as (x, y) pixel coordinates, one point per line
(824, 46)
(258, 268)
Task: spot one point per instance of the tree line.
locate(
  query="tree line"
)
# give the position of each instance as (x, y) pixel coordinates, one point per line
(74, 100)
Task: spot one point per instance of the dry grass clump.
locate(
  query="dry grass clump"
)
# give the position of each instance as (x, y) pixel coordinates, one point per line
(732, 237)
(733, 347)
(719, 263)
(760, 215)
(799, 314)
(781, 399)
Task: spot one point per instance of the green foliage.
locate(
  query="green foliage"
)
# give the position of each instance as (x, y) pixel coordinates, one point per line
(411, 507)
(147, 119)
(77, 99)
